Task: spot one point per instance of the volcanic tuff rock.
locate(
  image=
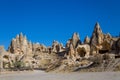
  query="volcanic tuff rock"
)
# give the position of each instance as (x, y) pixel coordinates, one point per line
(97, 35)
(100, 49)
(57, 47)
(19, 45)
(83, 50)
(6, 58)
(87, 40)
(118, 46)
(1, 49)
(75, 40)
(27, 51)
(1, 57)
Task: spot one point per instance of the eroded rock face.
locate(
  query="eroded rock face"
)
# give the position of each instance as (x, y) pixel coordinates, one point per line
(74, 54)
(99, 42)
(1, 49)
(19, 45)
(75, 40)
(6, 58)
(118, 43)
(87, 40)
(22, 49)
(55, 47)
(118, 46)
(71, 46)
(1, 57)
(83, 50)
(97, 35)
(71, 53)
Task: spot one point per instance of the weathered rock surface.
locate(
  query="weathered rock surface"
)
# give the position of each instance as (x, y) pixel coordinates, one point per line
(97, 35)
(75, 40)
(87, 40)
(101, 50)
(118, 46)
(83, 50)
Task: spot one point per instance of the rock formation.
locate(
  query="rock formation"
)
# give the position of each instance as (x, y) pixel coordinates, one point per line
(118, 46)
(71, 46)
(100, 42)
(100, 49)
(1, 57)
(83, 50)
(6, 58)
(97, 35)
(20, 45)
(87, 40)
(75, 40)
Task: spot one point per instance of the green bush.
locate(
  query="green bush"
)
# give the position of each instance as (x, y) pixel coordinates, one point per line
(19, 65)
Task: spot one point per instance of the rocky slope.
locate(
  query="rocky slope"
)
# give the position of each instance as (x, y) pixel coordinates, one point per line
(97, 53)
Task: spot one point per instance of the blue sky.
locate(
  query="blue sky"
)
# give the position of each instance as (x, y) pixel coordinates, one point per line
(46, 20)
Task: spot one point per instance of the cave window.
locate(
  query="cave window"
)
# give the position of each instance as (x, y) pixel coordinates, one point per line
(5, 56)
(82, 54)
(103, 51)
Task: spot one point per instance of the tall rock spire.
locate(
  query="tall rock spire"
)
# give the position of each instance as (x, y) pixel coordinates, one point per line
(87, 40)
(97, 28)
(75, 40)
(97, 35)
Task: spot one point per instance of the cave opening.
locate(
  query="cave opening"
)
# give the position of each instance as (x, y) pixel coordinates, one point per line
(81, 52)
(103, 51)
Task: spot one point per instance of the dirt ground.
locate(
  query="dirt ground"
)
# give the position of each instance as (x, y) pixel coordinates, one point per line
(41, 75)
